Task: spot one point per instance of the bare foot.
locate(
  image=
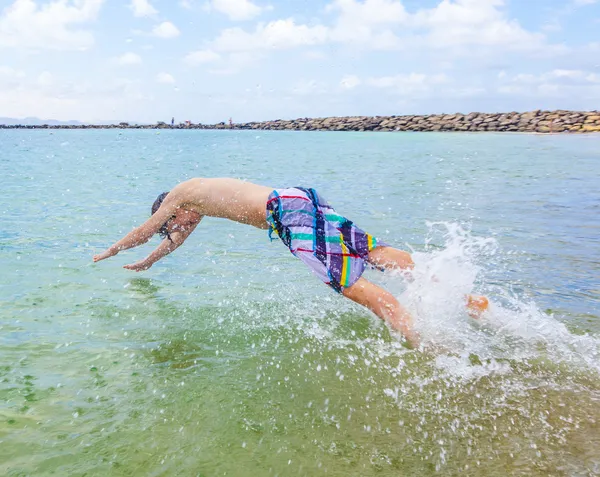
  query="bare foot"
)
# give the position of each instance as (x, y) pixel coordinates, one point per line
(477, 305)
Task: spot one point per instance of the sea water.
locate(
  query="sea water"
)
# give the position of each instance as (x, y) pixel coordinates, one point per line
(229, 358)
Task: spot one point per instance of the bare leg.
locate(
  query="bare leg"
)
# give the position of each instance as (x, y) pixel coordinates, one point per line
(394, 259)
(391, 258)
(385, 306)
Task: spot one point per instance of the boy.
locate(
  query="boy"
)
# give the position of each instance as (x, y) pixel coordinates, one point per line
(330, 245)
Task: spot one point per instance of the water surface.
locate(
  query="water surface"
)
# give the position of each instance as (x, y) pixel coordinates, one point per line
(229, 358)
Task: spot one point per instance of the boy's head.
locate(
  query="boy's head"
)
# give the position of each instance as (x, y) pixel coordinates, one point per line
(163, 231)
(158, 202)
(181, 220)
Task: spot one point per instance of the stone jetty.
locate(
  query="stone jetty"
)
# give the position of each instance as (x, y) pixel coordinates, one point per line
(559, 121)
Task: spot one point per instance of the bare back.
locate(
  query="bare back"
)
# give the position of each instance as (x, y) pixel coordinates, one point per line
(225, 198)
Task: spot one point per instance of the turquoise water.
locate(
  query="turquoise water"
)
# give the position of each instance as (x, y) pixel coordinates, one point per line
(229, 358)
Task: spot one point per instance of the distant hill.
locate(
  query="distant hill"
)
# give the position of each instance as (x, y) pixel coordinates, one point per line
(38, 122)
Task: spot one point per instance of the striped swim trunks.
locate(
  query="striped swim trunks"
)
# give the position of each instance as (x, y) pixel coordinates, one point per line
(329, 244)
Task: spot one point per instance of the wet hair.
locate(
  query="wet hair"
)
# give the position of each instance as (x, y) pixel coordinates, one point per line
(163, 232)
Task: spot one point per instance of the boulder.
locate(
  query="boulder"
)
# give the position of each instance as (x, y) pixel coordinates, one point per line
(591, 128)
(528, 116)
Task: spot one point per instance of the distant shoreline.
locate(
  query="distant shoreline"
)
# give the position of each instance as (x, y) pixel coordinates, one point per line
(559, 121)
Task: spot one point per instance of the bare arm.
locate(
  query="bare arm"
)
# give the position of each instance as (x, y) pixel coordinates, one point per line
(165, 248)
(144, 232)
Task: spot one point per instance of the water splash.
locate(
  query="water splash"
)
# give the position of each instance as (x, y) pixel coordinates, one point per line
(513, 328)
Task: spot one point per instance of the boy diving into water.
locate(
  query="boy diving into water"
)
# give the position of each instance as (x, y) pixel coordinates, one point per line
(335, 249)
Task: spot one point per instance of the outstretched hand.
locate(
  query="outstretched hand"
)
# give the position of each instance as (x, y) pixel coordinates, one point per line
(106, 254)
(138, 266)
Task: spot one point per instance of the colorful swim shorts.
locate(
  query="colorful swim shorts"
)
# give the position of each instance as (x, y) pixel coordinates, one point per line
(329, 244)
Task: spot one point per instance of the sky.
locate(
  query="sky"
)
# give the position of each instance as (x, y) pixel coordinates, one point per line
(211, 60)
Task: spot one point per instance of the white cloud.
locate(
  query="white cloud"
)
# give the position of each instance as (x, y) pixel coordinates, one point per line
(128, 59)
(166, 30)
(469, 40)
(165, 78)
(557, 76)
(371, 12)
(201, 56)
(9, 77)
(466, 91)
(19, 103)
(367, 23)
(279, 34)
(408, 84)
(350, 82)
(358, 23)
(142, 8)
(460, 25)
(45, 79)
(236, 10)
(60, 98)
(573, 74)
(582, 3)
(524, 78)
(404, 80)
(474, 22)
(7, 71)
(558, 83)
(386, 24)
(314, 55)
(24, 24)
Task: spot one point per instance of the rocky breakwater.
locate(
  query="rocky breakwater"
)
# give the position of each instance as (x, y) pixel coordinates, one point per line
(532, 121)
(159, 125)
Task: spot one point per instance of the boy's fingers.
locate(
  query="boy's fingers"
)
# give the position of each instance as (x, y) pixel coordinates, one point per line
(133, 266)
(101, 256)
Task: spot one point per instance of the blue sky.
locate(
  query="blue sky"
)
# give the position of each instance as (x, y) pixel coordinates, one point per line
(208, 60)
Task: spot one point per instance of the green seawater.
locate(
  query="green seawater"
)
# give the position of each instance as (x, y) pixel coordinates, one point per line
(229, 358)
